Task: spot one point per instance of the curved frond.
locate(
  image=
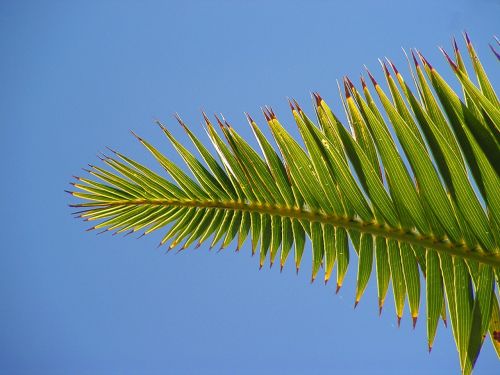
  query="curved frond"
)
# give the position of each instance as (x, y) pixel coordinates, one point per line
(430, 206)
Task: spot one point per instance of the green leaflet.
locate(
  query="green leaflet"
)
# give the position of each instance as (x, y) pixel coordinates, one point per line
(364, 264)
(383, 270)
(434, 294)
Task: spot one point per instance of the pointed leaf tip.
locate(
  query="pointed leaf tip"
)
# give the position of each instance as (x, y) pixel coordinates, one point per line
(450, 61)
(399, 321)
(346, 89)
(135, 135)
(495, 52)
(414, 321)
(455, 45)
(384, 67)
(179, 120)
(424, 60)
(415, 61)
(393, 67)
(113, 151)
(349, 82)
(467, 39)
(249, 118)
(317, 98)
(297, 105)
(380, 310)
(205, 117)
(430, 348)
(290, 104)
(219, 121)
(356, 304)
(270, 112)
(372, 78)
(338, 288)
(264, 111)
(363, 82)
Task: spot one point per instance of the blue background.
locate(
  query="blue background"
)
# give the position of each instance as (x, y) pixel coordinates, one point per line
(76, 76)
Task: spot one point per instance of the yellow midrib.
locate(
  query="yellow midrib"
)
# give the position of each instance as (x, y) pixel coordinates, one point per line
(374, 228)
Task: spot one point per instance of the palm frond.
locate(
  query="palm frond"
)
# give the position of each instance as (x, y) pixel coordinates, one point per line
(430, 207)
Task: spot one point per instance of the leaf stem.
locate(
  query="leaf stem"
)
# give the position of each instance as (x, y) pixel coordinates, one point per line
(382, 230)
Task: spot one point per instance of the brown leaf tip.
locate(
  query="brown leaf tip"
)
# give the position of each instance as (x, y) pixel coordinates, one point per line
(317, 98)
(372, 78)
(113, 151)
(450, 61)
(467, 39)
(424, 60)
(346, 89)
(455, 45)
(384, 66)
(179, 120)
(415, 61)
(264, 111)
(414, 321)
(205, 117)
(135, 135)
(356, 303)
(399, 321)
(393, 67)
(349, 82)
(338, 288)
(494, 51)
(363, 82)
(297, 105)
(270, 111)
(219, 121)
(249, 118)
(496, 336)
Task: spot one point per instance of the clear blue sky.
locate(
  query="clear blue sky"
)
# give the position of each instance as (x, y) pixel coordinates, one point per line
(76, 76)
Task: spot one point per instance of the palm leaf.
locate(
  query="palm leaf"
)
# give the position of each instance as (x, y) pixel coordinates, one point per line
(429, 208)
